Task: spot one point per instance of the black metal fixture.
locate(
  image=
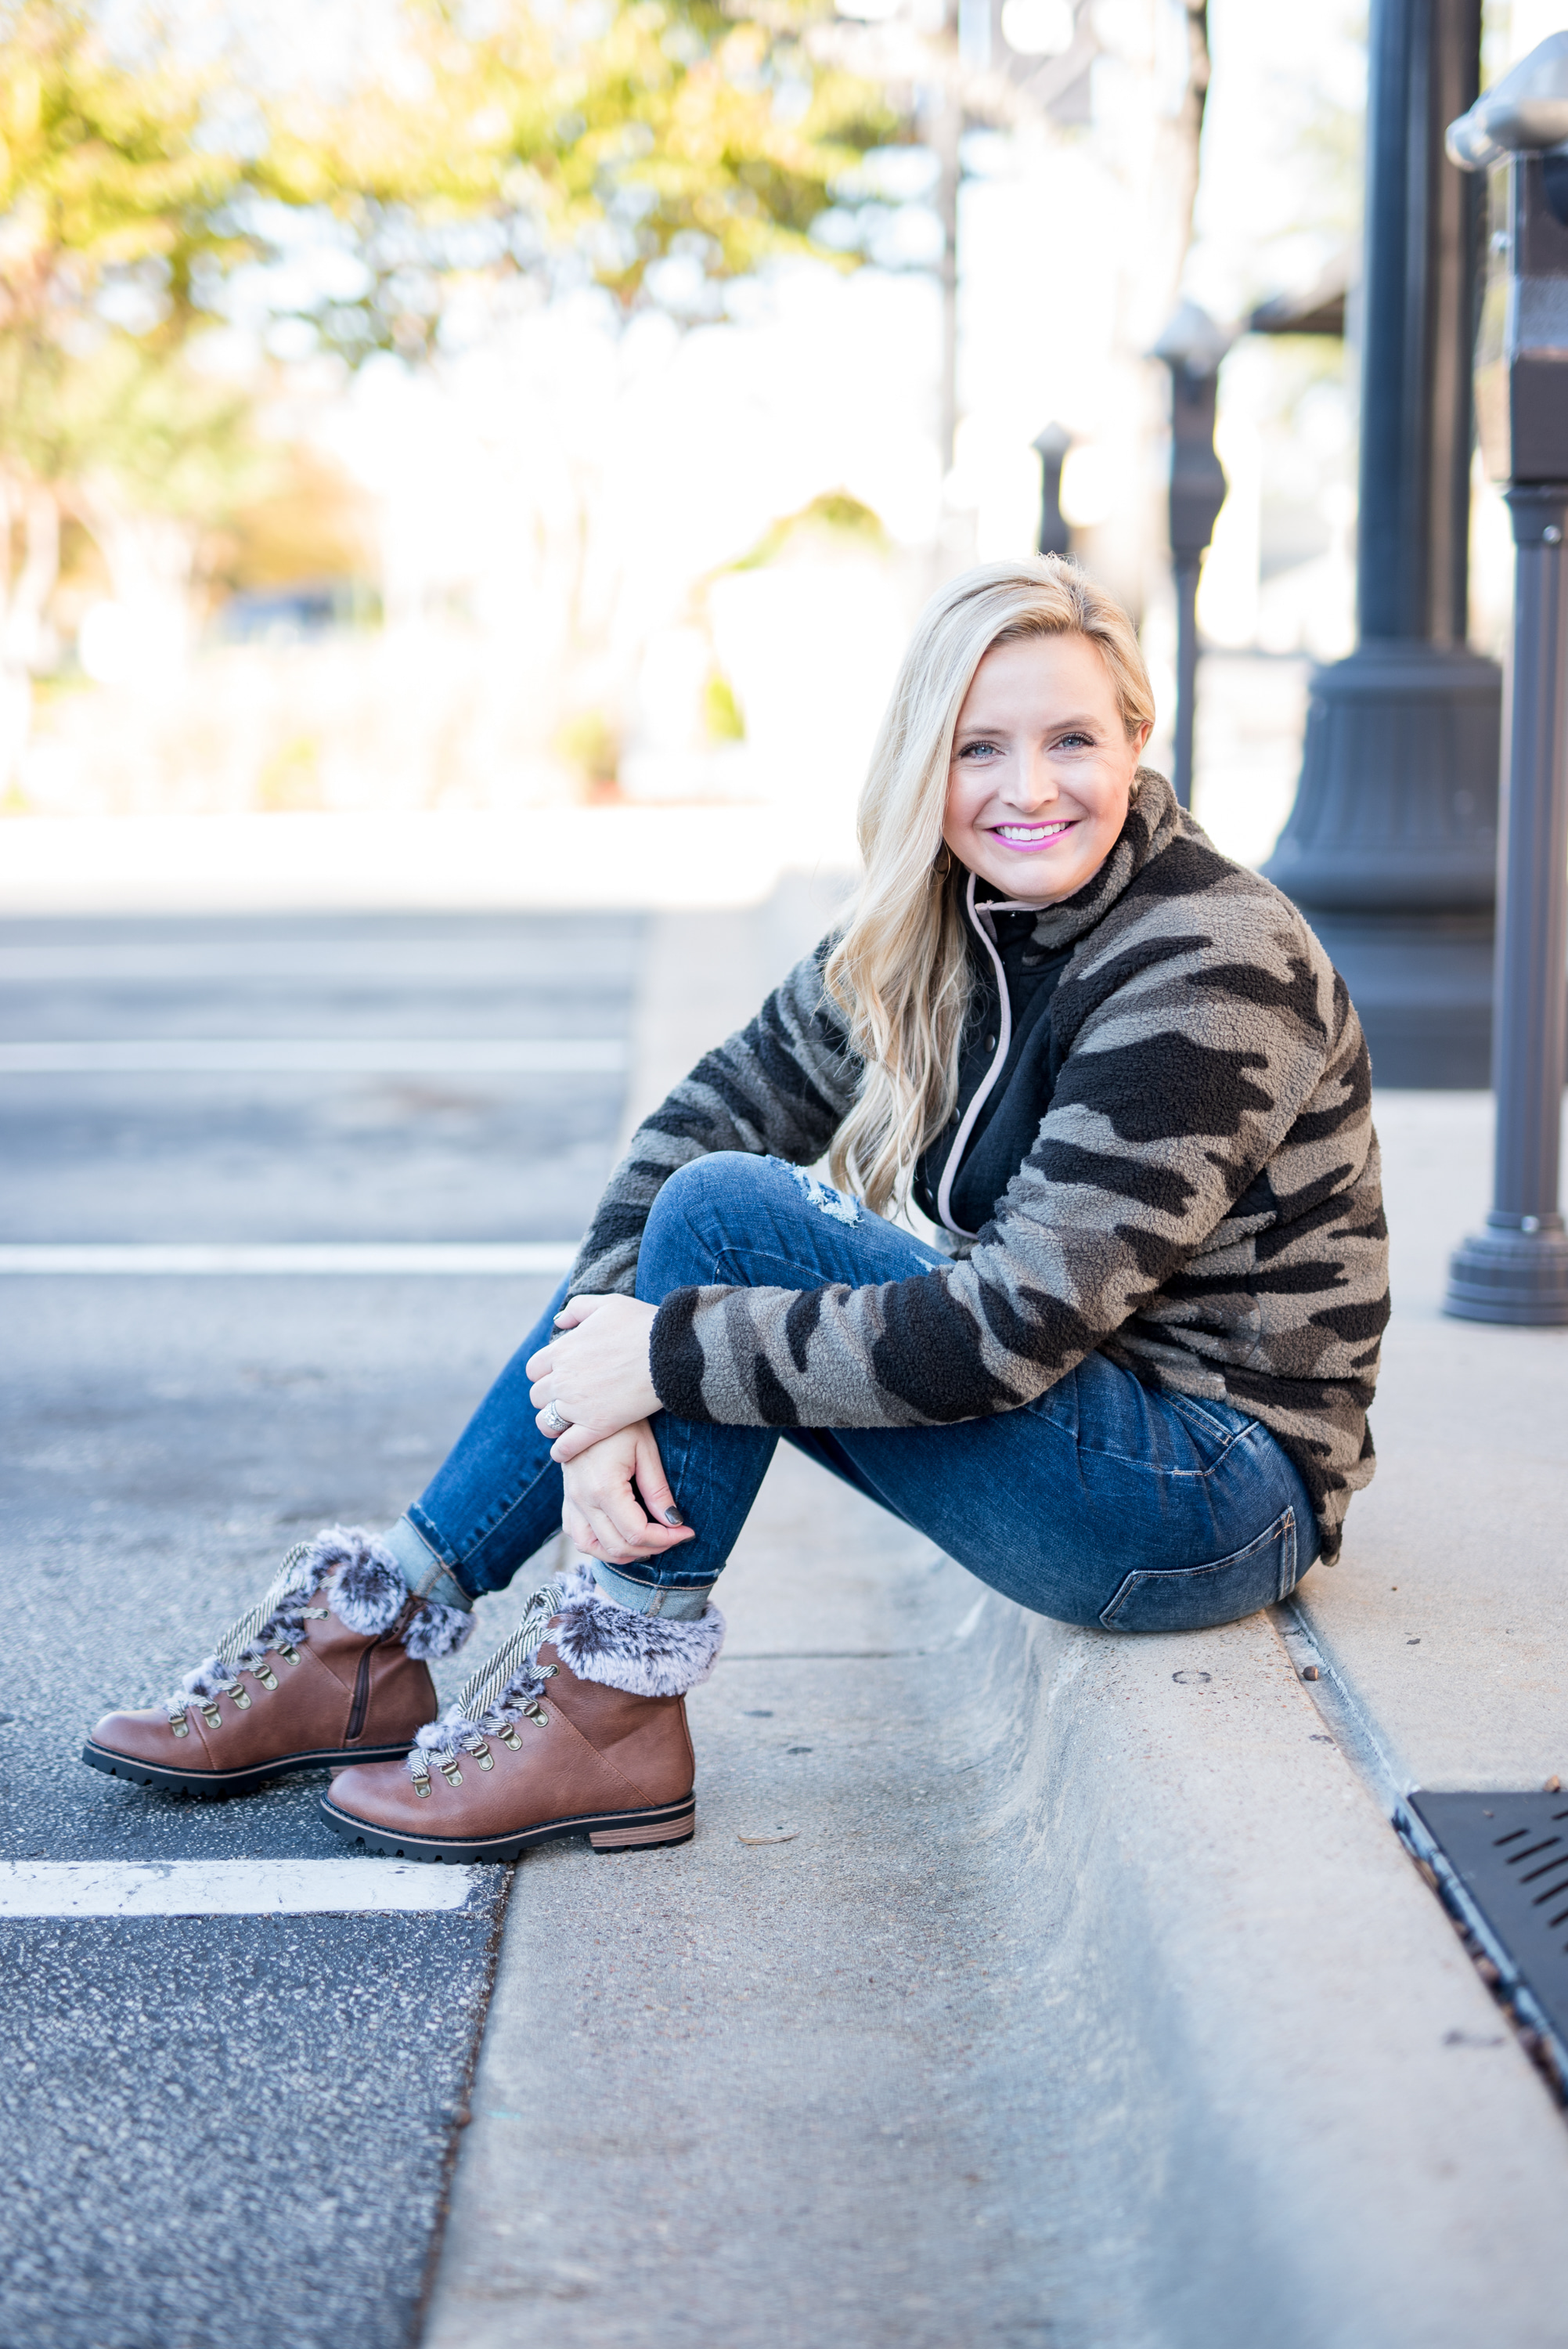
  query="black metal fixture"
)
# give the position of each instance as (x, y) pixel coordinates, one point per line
(1391, 846)
(1192, 346)
(1051, 447)
(1504, 1859)
(1320, 310)
(1517, 1269)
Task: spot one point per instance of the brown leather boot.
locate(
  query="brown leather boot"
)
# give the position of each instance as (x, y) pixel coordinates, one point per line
(329, 1667)
(548, 1741)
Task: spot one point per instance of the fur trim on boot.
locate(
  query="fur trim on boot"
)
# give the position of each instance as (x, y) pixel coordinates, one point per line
(643, 1655)
(345, 1569)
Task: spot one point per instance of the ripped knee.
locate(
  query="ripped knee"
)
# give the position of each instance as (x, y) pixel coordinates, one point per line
(822, 1196)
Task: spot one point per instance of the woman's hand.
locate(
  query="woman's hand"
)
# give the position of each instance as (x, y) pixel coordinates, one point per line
(594, 1371)
(604, 1482)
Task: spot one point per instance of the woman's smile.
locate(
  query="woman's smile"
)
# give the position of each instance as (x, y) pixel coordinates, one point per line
(1041, 769)
(1031, 836)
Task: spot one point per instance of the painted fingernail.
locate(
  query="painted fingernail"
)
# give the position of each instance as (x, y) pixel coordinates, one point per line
(674, 1517)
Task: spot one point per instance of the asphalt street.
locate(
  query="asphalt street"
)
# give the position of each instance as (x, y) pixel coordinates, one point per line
(226, 2123)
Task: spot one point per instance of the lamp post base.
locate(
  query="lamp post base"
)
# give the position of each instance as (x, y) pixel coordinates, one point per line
(1391, 851)
(1512, 1273)
(1422, 985)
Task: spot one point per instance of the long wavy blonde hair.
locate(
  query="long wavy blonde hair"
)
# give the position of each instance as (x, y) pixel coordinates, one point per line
(900, 973)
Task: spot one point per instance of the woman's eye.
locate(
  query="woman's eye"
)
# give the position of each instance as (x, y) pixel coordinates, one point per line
(978, 750)
(1075, 742)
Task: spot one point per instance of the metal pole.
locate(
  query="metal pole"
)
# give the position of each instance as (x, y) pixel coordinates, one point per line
(1391, 847)
(1192, 346)
(1186, 569)
(1517, 1270)
(1051, 447)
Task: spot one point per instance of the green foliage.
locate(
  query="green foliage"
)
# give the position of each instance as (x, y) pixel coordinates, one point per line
(661, 146)
(109, 177)
(110, 204)
(290, 782)
(655, 131)
(591, 743)
(721, 712)
(833, 516)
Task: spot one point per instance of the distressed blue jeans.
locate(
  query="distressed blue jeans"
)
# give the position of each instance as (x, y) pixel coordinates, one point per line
(1103, 1501)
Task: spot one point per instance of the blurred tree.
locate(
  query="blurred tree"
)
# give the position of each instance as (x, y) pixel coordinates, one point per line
(147, 195)
(661, 148)
(302, 521)
(111, 201)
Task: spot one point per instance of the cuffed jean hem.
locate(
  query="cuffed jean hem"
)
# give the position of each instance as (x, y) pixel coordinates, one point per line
(425, 1570)
(675, 1604)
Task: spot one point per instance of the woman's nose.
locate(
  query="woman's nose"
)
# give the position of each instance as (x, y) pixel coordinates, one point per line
(1030, 782)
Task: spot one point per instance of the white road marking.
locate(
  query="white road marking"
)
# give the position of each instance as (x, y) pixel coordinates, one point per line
(181, 1259)
(355, 1056)
(227, 1888)
(391, 961)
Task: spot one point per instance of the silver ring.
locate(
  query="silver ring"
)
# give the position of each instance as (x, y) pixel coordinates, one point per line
(554, 1419)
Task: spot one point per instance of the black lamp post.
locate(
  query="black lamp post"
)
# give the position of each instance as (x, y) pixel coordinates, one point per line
(1391, 846)
(1517, 1269)
(1051, 446)
(1192, 346)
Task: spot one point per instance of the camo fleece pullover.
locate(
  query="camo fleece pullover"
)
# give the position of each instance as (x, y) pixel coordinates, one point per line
(1200, 1204)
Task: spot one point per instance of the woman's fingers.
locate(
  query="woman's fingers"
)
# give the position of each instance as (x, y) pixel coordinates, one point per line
(601, 1538)
(575, 1440)
(605, 1495)
(615, 1516)
(652, 1483)
(610, 1544)
(577, 1309)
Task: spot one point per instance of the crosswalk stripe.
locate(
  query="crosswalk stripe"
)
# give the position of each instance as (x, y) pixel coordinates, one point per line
(228, 1887)
(315, 1258)
(356, 1056)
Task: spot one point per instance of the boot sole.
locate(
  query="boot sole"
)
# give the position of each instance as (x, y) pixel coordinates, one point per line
(663, 1825)
(214, 1783)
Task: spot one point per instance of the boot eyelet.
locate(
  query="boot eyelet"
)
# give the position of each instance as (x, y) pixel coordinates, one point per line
(421, 1786)
(211, 1716)
(241, 1697)
(485, 1759)
(451, 1774)
(179, 1724)
(509, 1738)
(267, 1677)
(290, 1655)
(537, 1714)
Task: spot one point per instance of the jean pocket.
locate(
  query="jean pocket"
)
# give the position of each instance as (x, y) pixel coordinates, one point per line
(1199, 1598)
(1215, 1427)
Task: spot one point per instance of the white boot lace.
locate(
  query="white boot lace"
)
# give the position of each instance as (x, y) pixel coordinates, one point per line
(486, 1698)
(261, 1629)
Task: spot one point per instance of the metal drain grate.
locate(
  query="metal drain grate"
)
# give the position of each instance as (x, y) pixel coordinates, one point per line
(1511, 1853)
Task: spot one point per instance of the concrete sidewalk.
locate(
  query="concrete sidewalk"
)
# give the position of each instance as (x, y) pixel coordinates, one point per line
(1088, 1996)
(1448, 1618)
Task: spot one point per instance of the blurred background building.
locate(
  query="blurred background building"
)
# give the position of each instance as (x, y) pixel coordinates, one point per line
(412, 408)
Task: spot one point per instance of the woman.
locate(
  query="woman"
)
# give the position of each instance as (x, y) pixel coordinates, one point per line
(1129, 1389)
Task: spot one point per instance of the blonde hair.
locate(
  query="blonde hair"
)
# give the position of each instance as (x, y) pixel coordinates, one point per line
(901, 970)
